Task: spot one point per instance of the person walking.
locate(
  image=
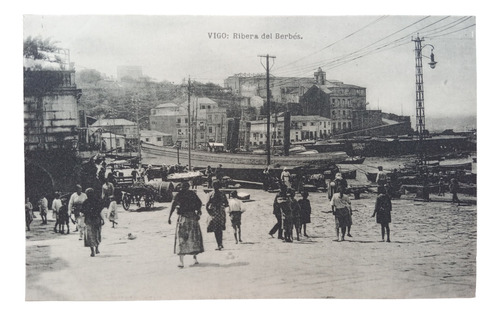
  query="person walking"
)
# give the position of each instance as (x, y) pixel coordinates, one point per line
(112, 211)
(305, 211)
(209, 173)
(341, 208)
(381, 180)
(285, 177)
(266, 181)
(217, 202)
(280, 198)
(188, 238)
(383, 208)
(63, 216)
(75, 207)
(235, 210)
(295, 220)
(91, 209)
(43, 205)
(28, 210)
(454, 186)
(56, 206)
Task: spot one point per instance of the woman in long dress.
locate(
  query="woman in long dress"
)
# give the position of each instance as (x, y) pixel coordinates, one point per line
(188, 238)
(91, 209)
(216, 206)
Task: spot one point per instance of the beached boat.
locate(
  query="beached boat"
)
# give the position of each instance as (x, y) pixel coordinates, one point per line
(158, 155)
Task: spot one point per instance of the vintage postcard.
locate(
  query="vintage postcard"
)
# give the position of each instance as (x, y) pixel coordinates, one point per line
(183, 157)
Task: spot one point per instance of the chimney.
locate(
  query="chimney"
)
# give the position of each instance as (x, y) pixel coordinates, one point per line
(320, 77)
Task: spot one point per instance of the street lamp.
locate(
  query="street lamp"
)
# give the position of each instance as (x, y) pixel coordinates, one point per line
(420, 113)
(419, 80)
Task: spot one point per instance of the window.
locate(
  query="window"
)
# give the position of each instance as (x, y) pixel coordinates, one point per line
(202, 107)
(208, 107)
(344, 125)
(185, 120)
(179, 120)
(343, 112)
(304, 124)
(210, 117)
(147, 139)
(158, 139)
(210, 130)
(349, 125)
(312, 124)
(179, 132)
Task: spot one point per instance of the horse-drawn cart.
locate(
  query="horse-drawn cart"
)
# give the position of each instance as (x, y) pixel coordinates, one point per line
(136, 193)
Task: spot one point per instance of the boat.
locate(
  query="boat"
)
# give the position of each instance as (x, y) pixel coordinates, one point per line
(158, 155)
(353, 160)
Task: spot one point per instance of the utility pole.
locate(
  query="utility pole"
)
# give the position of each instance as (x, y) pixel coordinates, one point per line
(268, 112)
(189, 123)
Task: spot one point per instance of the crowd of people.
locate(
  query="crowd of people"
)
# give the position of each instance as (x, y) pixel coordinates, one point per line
(87, 210)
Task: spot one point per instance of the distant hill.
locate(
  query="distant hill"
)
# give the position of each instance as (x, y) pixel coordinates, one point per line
(457, 123)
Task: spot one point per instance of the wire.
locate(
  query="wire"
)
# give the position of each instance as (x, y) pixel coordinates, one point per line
(330, 45)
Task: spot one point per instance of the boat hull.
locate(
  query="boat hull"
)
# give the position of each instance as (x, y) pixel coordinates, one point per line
(157, 155)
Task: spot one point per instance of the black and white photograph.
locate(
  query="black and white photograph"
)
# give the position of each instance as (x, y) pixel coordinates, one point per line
(222, 157)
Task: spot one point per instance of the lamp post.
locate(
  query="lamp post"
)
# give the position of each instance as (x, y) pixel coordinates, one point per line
(419, 95)
(423, 193)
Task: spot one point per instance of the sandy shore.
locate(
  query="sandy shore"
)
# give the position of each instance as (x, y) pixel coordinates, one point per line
(432, 255)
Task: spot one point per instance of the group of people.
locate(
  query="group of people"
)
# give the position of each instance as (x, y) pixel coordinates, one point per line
(290, 214)
(187, 204)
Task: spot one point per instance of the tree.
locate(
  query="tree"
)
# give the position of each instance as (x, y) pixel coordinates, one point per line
(37, 48)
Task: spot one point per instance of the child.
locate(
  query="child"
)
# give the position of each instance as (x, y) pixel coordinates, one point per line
(113, 216)
(295, 218)
(63, 216)
(235, 210)
(305, 211)
(56, 205)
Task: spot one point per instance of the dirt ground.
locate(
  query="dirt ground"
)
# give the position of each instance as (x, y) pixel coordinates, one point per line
(432, 255)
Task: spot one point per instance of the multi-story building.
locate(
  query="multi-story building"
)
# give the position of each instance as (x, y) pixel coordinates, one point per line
(334, 100)
(208, 122)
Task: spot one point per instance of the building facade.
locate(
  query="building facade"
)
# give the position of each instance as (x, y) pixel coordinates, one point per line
(334, 100)
(208, 122)
(52, 116)
(302, 128)
(156, 138)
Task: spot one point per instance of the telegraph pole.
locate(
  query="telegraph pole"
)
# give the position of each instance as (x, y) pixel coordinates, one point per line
(189, 122)
(268, 112)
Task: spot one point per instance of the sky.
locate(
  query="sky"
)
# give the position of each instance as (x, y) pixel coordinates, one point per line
(372, 51)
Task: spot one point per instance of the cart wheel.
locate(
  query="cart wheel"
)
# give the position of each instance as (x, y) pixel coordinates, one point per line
(148, 200)
(126, 202)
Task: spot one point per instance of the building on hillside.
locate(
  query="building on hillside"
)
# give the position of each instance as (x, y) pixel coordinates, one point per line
(334, 100)
(208, 122)
(156, 138)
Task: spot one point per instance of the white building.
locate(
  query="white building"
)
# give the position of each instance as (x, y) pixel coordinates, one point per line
(311, 127)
